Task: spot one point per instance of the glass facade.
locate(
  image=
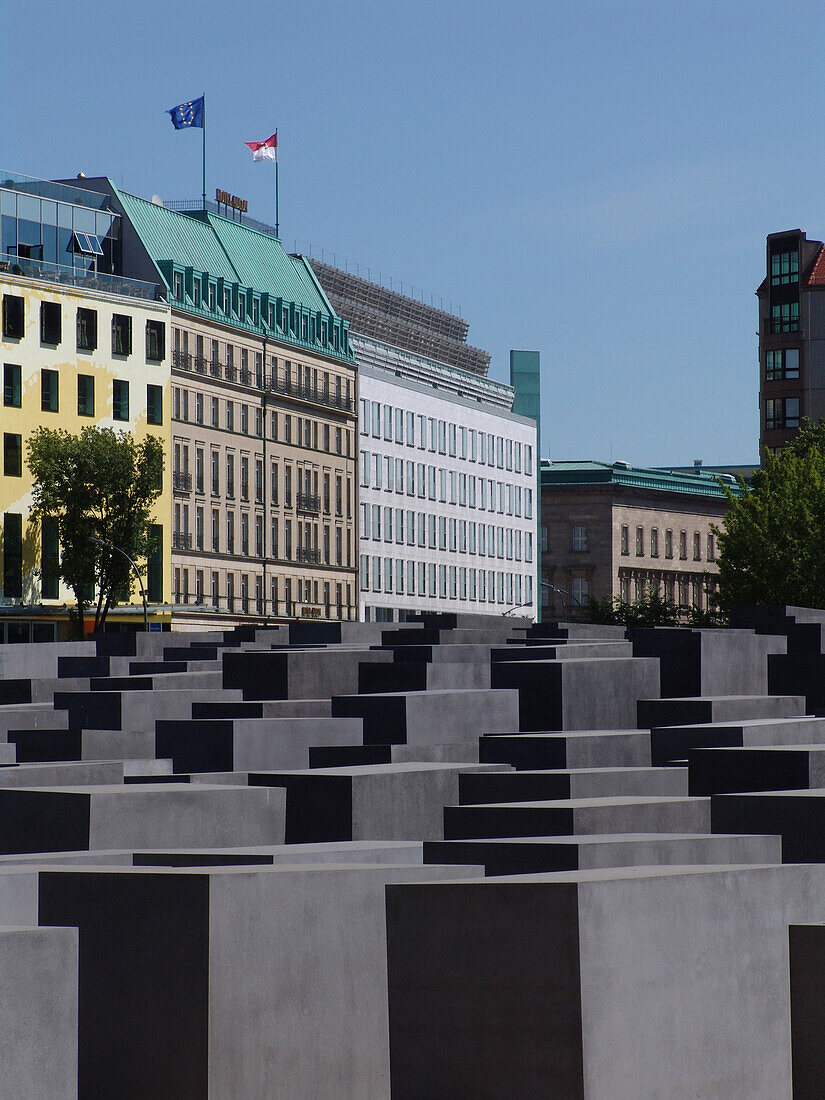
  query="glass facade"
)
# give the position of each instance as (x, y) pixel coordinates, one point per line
(51, 223)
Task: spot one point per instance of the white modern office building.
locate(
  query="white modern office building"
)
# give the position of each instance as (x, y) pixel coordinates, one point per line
(447, 486)
(446, 490)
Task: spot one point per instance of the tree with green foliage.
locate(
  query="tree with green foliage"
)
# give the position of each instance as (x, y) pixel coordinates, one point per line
(99, 484)
(772, 544)
(650, 609)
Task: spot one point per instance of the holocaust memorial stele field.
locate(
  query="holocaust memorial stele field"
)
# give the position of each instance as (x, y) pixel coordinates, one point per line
(465, 856)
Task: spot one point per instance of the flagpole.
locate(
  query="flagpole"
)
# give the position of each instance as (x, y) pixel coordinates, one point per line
(277, 227)
(203, 149)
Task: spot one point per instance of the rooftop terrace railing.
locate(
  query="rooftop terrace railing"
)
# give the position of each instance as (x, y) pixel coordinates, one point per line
(84, 280)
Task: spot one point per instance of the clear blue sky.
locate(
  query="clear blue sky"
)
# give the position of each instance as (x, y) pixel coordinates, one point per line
(593, 180)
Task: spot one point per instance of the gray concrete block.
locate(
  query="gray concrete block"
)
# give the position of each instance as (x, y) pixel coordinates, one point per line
(708, 662)
(38, 1013)
(579, 749)
(718, 708)
(575, 816)
(62, 774)
(31, 716)
(797, 816)
(54, 819)
(806, 947)
(196, 1003)
(582, 1007)
(250, 743)
(526, 786)
(578, 694)
(298, 674)
(734, 770)
(528, 855)
(375, 802)
(431, 717)
(291, 855)
(124, 744)
(675, 742)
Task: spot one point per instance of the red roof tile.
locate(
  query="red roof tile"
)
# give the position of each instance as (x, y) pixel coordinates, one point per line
(816, 273)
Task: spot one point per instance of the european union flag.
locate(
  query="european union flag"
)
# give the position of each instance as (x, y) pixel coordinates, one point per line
(187, 114)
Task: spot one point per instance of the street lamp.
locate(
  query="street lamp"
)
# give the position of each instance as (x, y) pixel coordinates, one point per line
(111, 546)
(562, 592)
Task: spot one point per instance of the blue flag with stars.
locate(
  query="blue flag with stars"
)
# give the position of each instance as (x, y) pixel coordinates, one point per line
(187, 114)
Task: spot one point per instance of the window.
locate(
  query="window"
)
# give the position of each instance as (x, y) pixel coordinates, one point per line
(178, 286)
(625, 539)
(86, 329)
(49, 390)
(781, 412)
(230, 476)
(155, 340)
(668, 544)
(230, 416)
(14, 317)
(785, 317)
(12, 455)
(120, 400)
(51, 326)
(784, 268)
(244, 478)
(85, 395)
(230, 532)
(654, 542)
(121, 334)
(49, 560)
(154, 406)
(154, 568)
(11, 385)
(711, 548)
(579, 589)
(781, 363)
(683, 545)
(216, 531)
(13, 555)
(697, 546)
(579, 538)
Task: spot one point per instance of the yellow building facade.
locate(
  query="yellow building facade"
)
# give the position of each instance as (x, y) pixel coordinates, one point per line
(91, 351)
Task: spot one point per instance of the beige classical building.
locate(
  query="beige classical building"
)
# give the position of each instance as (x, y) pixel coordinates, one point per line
(262, 477)
(618, 529)
(263, 450)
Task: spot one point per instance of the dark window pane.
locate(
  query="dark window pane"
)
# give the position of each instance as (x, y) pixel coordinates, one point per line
(121, 334)
(51, 326)
(12, 455)
(48, 390)
(11, 385)
(120, 400)
(13, 555)
(13, 316)
(85, 395)
(155, 340)
(50, 560)
(86, 329)
(154, 404)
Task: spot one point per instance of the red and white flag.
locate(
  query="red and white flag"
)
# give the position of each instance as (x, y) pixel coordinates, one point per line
(264, 150)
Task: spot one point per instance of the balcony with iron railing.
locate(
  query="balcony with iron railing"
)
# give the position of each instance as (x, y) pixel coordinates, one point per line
(307, 554)
(307, 502)
(257, 380)
(181, 540)
(181, 483)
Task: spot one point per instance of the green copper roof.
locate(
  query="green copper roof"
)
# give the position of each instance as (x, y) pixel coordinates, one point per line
(287, 301)
(699, 483)
(261, 262)
(168, 235)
